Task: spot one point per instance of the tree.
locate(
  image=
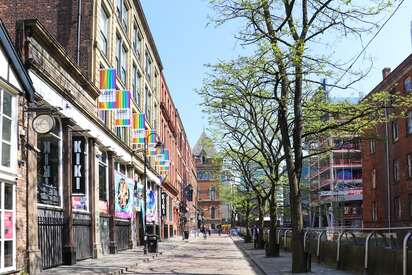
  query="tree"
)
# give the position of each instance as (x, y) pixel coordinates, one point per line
(289, 36)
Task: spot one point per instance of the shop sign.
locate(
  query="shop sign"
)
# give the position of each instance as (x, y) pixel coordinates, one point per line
(48, 192)
(124, 201)
(163, 204)
(78, 160)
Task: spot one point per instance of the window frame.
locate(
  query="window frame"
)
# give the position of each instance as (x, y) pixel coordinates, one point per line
(396, 170)
(372, 146)
(13, 117)
(103, 11)
(397, 209)
(406, 85)
(373, 178)
(104, 164)
(395, 131)
(409, 165)
(2, 218)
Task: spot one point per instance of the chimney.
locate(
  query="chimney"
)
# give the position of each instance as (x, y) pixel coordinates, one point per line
(385, 72)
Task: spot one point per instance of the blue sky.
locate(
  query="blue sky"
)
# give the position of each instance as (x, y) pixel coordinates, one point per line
(186, 44)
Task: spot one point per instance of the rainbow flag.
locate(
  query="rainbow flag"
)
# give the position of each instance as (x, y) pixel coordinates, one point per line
(139, 121)
(107, 79)
(164, 168)
(122, 118)
(163, 163)
(112, 100)
(138, 136)
(152, 137)
(154, 151)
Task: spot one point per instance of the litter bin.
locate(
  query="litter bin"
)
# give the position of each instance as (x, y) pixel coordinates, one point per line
(186, 235)
(152, 243)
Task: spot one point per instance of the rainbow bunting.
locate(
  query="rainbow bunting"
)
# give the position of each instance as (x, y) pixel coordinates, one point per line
(139, 121)
(107, 79)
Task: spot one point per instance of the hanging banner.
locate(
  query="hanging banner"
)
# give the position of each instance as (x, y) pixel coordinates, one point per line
(139, 121)
(114, 100)
(151, 207)
(123, 196)
(78, 165)
(107, 79)
(151, 137)
(138, 196)
(122, 118)
(138, 136)
(163, 204)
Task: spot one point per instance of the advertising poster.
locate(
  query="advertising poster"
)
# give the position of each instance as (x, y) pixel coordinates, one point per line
(151, 200)
(79, 202)
(138, 197)
(8, 225)
(124, 201)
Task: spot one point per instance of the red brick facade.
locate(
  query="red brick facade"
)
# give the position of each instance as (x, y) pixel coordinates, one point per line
(380, 165)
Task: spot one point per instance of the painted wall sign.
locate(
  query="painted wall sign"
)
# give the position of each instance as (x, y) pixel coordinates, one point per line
(47, 176)
(164, 204)
(124, 199)
(79, 171)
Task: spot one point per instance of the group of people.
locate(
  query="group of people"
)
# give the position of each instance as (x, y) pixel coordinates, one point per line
(207, 231)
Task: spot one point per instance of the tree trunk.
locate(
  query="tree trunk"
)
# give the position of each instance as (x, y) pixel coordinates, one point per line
(247, 216)
(272, 248)
(260, 243)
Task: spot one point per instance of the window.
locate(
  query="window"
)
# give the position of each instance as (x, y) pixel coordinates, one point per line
(396, 175)
(397, 207)
(49, 180)
(407, 84)
(137, 40)
(170, 209)
(374, 179)
(103, 177)
(8, 131)
(123, 61)
(409, 166)
(213, 212)
(372, 146)
(137, 79)
(118, 53)
(212, 193)
(122, 133)
(8, 233)
(104, 30)
(409, 123)
(148, 66)
(395, 131)
(374, 212)
(410, 205)
(122, 13)
(148, 105)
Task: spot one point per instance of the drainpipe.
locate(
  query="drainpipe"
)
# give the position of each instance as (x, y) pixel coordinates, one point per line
(387, 166)
(79, 18)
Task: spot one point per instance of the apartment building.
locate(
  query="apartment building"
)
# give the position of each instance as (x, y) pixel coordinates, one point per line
(387, 158)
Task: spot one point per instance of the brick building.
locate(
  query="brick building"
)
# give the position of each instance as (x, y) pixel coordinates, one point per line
(209, 169)
(18, 247)
(63, 46)
(387, 159)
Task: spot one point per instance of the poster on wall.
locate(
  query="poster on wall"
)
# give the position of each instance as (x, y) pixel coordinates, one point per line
(124, 201)
(151, 201)
(79, 171)
(8, 225)
(79, 202)
(138, 197)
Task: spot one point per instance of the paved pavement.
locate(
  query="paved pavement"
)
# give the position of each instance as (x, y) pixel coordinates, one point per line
(280, 265)
(215, 255)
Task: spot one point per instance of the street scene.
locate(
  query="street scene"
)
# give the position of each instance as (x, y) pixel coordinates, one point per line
(206, 137)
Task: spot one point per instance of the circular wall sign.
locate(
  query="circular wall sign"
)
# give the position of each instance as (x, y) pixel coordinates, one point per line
(43, 124)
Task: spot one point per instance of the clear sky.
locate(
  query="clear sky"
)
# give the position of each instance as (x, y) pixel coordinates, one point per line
(186, 43)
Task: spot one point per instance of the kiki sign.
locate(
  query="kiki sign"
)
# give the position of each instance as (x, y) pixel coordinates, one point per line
(78, 160)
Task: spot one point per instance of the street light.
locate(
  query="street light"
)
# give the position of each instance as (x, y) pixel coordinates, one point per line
(145, 147)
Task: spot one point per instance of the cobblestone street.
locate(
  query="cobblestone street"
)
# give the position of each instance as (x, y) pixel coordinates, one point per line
(215, 255)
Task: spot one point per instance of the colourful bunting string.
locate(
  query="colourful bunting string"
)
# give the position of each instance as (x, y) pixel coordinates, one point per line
(108, 79)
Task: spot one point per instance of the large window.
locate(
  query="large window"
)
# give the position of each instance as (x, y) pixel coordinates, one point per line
(374, 212)
(407, 84)
(137, 41)
(148, 66)
(395, 131)
(7, 111)
(136, 87)
(213, 193)
(148, 105)
(8, 222)
(396, 171)
(103, 177)
(104, 30)
(123, 61)
(118, 53)
(372, 146)
(374, 179)
(122, 13)
(409, 165)
(213, 212)
(397, 207)
(49, 167)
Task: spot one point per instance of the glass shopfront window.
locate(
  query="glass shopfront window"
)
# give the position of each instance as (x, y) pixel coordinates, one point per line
(49, 187)
(7, 227)
(7, 129)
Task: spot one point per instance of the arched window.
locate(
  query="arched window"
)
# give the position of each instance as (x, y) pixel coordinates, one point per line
(49, 165)
(213, 212)
(213, 193)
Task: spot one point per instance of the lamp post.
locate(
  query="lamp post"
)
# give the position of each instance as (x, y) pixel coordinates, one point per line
(145, 147)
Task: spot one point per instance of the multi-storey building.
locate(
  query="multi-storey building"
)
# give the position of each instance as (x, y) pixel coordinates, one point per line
(90, 177)
(209, 168)
(387, 158)
(336, 184)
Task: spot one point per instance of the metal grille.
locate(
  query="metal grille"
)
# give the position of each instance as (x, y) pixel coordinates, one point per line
(82, 236)
(51, 237)
(122, 234)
